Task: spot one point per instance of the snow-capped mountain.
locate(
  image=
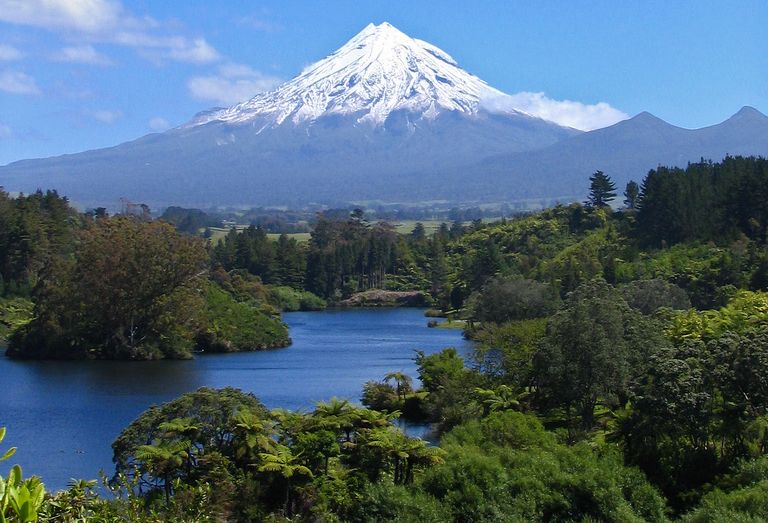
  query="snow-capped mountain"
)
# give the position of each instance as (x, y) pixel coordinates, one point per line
(376, 73)
(349, 127)
(386, 117)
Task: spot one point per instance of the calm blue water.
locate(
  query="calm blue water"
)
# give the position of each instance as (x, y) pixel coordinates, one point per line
(63, 416)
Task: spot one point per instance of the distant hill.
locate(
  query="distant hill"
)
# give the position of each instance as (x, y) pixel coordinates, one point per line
(386, 117)
(626, 151)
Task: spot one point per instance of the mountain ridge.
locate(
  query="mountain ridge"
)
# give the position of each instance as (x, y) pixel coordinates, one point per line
(323, 138)
(626, 151)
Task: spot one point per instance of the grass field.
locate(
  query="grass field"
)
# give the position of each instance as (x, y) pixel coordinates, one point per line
(402, 227)
(298, 236)
(218, 233)
(406, 226)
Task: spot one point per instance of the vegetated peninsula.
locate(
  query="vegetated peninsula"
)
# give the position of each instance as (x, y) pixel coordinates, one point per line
(123, 287)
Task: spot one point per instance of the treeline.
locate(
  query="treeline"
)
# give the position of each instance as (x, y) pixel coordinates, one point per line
(344, 256)
(350, 256)
(675, 214)
(33, 228)
(705, 201)
(281, 262)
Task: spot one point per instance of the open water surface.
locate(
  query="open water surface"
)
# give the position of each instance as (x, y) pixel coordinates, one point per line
(63, 416)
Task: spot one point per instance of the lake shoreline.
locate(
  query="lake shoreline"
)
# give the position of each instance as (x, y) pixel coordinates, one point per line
(64, 414)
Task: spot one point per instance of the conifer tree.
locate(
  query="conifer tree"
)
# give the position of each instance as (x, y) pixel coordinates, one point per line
(632, 195)
(602, 190)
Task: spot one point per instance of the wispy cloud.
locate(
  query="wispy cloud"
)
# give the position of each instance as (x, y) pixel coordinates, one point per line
(5, 131)
(158, 124)
(231, 84)
(177, 48)
(79, 15)
(9, 53)
(107, 21)
(259, 23)
(578, 115)
(83, 54)
(106, 117)
(16, 82)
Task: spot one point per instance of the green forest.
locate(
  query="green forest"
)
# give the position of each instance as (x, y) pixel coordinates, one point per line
(620, 370)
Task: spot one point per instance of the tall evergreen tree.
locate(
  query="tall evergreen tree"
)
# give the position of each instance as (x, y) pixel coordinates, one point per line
(602, 190)
(632, 195)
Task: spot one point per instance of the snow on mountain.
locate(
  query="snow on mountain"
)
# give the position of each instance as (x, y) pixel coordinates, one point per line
(386, 118)
(379, 71)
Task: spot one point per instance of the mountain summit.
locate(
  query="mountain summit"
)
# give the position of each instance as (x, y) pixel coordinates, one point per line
(379, 71)
(349, 127)
(385, 118)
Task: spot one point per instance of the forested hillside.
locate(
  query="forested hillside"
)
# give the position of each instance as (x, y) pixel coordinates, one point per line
(619, 372)
(702, 228)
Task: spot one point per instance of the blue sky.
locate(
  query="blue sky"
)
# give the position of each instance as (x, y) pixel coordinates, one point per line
(82, 74)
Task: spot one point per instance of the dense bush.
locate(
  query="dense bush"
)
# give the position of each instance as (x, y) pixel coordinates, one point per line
(504, 300)
(129, 292)
(648, 296)
(289, 299)
(508, 468)
(233, 326)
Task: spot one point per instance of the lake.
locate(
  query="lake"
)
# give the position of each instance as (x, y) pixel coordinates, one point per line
(63, 416)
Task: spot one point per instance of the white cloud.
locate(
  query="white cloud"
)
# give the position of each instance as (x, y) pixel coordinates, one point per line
(195, 51)
(90, 16)
(177, 48)
(578, 115)
(259, 23)
(5, 131)
(107, 21)
(16, 82)
(9, 53)
(84, 54)
(158, 124)
(106, 117)
(234, 83)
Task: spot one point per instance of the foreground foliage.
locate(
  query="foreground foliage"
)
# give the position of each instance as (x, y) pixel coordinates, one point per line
(218, 455)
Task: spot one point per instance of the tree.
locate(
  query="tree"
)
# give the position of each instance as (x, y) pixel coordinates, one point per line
(212, 412)
(585, 355)
(505, 300)
(164, 461)
(438, 271)
(283, 462)
(698, 409)
(632, 195)
(403, 383)
(129, 292)
(436, 369)
(501, 398)
(418, 233)
(252, 434)
(338, 414)
(380, 396)
(602, 190)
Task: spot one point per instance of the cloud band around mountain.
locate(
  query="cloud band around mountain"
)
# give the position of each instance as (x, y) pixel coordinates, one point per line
(569, 113)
